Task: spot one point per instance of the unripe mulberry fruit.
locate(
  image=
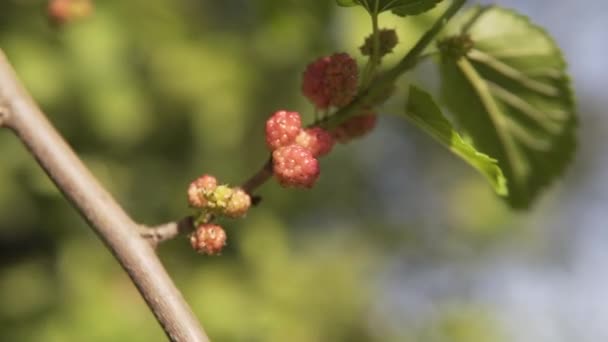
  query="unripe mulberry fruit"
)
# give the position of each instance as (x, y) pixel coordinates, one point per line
(331, 81)
(295, 166)
(63, 11)
(388, 40)
(355, 127)
(282, 128)
(238, 205)
(218, 199)
(208, 238)
(199, 189)
(317, 140)
(59, 11)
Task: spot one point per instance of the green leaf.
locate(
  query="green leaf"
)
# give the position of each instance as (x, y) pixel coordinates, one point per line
(399, 7)
(347, 3)
(424, 112)
(512, 95)
(414, 7)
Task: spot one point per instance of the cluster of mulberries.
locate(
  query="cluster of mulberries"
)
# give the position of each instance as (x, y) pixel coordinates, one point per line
(327, 82)
(295, 150)
(205, 195)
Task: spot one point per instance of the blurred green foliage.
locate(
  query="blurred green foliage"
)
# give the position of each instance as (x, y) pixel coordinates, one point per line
(153, 93)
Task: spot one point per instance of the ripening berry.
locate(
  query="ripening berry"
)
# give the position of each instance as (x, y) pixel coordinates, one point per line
(63, 11)
(312, 83)
(317, 140)
(282, 128)
(238, 204)
(341, 79)
(199, 189)
(208, 238)
(295, 166)
(388, 40)
(331, 81)
(355, 127)
(59, 11)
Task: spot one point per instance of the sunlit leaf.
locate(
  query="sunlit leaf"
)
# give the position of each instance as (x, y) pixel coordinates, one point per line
(512, 95)
(424, 113)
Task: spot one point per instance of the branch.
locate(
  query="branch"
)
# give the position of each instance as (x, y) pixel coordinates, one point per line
(118, 231)
(387, 80)
(156, 235)
(170, 230)
(259, 178)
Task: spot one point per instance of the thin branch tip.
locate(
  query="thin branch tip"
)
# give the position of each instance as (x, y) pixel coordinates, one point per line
(259, 178)
(167, 231)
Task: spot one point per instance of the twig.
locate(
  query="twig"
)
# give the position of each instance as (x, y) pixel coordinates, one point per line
(99, 209)
(386, 80)
(258, 178)
(170, 230)
(156, 235)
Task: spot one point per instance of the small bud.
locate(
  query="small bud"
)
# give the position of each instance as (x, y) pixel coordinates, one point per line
(387, 38)
(199, 189)
(455, 47)
(238, 205)
(209, 239)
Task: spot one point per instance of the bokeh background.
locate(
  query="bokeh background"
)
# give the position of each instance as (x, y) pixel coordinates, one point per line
(400, 241)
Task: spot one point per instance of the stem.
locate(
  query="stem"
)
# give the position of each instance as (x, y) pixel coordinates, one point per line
(171, 230)
(98, 208)
(428, 55)
(258, 178)
(167, 231)
(387, 80)
(374, 58)
(411, 58)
